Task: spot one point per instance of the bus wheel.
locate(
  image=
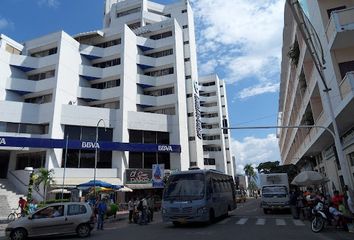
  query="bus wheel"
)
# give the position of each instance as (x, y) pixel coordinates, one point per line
(211, 216)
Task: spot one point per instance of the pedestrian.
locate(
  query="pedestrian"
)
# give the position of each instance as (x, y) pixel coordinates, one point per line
(294, 194)
(131, 210)
(151, 205)
(101, 212)
(337, 198)
(142, 208)
(22, 205)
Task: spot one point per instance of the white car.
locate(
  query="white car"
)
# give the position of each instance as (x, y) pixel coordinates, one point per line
(54, 219)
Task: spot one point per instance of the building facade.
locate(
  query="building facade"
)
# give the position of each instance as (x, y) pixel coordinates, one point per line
(111, 103)
(302, 100)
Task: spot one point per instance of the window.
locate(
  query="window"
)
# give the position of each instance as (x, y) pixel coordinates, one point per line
(81, 158)
(33, 159)
(329, 11)
(127, 12)
(188, 77)
(211, 137)
(185, 42)
(134, 25)
(109, 43)
(160, 92)
(208, 84)
(24, 128)
(45, 52)
(166, 111)
(189, 95)
(41, 76)
(191, 138)
(161, 35)
(209, 115)
(184, 11)
(208, 94)
(190, 115)
(108, 84)
(109, 63)
(345, 67)
(111, 105)
(209, 161)
(185, 26)
(161, 53)
(351, 158)
(212, 104)
(161, 72)
(76, 209)
(40, 99)
(187, 59)
(12, 50)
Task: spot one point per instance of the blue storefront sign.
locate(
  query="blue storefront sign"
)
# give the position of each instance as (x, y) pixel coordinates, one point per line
(77, 144)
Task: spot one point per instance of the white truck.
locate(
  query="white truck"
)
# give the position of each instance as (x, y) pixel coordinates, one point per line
(275, 191)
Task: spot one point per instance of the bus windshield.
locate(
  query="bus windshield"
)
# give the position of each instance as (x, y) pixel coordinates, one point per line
(185, 187)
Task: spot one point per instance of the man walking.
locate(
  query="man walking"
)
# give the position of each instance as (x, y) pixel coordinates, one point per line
(131, 210)
(101, 211)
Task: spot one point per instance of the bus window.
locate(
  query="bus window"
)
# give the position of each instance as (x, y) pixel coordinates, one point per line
(185, 187)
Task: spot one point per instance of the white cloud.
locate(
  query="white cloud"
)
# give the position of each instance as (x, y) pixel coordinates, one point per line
(258, 89)
(252, 150)
(242, 37)
(49, 3)
(4, 23)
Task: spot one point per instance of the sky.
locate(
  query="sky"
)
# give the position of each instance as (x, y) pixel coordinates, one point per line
(239, 40)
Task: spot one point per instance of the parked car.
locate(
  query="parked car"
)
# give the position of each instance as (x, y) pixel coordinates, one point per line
(54, 219)
(240, 196)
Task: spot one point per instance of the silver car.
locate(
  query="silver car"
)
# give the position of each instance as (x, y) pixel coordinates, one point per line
(54, 219)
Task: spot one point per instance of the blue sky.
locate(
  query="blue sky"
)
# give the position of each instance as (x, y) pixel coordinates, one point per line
(240, 40)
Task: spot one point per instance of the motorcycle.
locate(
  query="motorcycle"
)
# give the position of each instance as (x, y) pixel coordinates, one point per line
(322, 218)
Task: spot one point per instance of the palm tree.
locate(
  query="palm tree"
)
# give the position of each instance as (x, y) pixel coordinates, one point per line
(251, 176)
(45, 177)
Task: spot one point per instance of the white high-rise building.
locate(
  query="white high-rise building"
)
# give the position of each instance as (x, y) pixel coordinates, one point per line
(302, 99)
(126, 95)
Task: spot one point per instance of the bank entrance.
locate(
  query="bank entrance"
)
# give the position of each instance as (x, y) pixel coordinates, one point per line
(4, 163)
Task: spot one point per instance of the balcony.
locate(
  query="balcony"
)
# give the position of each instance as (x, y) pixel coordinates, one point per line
(155, 81)
(346, 87)
(153, 101)
(340, 30)
(24, 86)
(92, 73)
(97, 94)
(25, 112)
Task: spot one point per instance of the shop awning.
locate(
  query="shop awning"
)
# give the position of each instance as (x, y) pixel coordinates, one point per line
(139, 186)
(73, 182)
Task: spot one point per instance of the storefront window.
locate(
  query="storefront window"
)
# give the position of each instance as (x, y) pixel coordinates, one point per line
(34, 159)
(135, 160)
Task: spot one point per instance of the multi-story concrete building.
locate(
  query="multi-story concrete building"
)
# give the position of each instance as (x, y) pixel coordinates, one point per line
(214, 114)
(302, 100)
(121, 98)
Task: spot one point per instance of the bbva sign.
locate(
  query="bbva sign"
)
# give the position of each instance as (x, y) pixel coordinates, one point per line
(90, 145)
(2, 141)
(164, 148)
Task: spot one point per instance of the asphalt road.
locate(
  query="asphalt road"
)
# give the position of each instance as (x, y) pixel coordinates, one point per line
(248, 222)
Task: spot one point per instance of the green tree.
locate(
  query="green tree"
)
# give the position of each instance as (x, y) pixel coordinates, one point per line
(250, 173)
(45, 177)
(267, 167)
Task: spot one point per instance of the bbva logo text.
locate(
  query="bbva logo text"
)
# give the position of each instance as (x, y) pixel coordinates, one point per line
(2, 141)
(90, 145)
(164, 148)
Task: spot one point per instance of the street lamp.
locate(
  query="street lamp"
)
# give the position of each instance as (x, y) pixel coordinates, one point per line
(96, 146)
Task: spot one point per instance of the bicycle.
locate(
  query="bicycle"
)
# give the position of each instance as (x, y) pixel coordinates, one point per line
(14, 215)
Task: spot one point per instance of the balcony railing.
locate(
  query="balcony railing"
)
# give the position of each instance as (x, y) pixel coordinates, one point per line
(340, 21)
(346, 87)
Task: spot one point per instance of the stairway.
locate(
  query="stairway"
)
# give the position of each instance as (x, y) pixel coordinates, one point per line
(8, 198)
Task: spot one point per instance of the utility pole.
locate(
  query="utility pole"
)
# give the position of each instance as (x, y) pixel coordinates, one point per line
(311, 39)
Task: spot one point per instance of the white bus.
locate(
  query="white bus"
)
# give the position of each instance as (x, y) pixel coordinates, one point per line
(197, 196)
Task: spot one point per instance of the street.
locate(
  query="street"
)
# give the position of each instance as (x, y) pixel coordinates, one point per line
(247, 222)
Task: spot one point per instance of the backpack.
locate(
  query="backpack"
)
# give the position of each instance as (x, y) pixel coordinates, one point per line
(140, 205)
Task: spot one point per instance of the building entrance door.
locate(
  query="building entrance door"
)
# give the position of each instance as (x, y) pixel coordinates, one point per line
(4, 163)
